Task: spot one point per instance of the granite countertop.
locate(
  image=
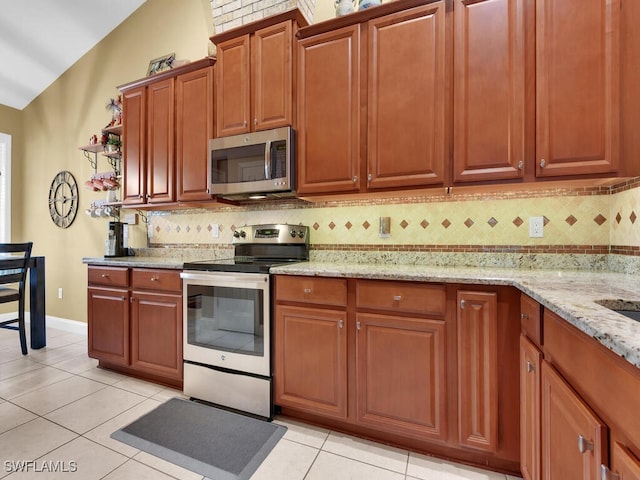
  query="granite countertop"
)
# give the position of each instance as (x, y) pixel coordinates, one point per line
(570, 294)
(140, 262)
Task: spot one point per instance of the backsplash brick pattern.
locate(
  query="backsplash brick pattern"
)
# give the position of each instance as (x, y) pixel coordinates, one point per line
(586, 223)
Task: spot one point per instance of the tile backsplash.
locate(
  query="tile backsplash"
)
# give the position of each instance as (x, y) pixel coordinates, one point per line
(575, 221)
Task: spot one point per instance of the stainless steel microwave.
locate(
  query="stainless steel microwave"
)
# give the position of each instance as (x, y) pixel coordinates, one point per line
(253, 165)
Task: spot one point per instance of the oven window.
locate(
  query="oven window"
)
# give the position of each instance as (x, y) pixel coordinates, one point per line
(226, 319)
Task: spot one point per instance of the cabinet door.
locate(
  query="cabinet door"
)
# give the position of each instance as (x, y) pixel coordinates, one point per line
(232, 87)
(489, 90)
(573, 439)
(134, 129)
(477, 316)
(311, 360)
(156, 334)
(624, 463)
(530, 361)
(194, 128)
(406, 98)
(160, 142)
(108, 328)
(578, 88)
(272, 71)
(401, 375)
(328, 112)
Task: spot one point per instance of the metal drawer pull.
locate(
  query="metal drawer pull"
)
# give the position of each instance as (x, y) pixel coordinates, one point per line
(462, 304)
(154, 279)
(341, 324)
(307, 290)
(584, 445)
(530, 367)
(524, 316)
(397, 298)
(358, 325)
(104, 275)
(606, 474)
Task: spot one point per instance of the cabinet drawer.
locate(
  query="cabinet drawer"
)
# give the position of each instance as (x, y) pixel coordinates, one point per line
(152, 279)
(401, 297)
(108, 276)
(323, 291)
(531, 319)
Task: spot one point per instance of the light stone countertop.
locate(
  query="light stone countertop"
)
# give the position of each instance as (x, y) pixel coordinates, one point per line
(570, 294)
(138, 262)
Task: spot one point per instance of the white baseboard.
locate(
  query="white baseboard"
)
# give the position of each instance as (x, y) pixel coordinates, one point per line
(71, 326)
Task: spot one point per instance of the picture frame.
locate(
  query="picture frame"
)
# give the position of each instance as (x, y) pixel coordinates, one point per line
(161, 64)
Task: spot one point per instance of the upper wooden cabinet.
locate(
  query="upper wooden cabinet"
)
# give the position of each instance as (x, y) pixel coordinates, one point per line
(394, 136)
(254, 79)
(577, 87)
(489, 102)
(194, 128)
(167, 123)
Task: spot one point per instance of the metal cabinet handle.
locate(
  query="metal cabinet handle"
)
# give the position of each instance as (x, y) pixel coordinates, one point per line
(607, 474)
(531, 367)
(244, 124)
(355, 179)
(104, 275)
(369, 177)
(307, 290)
(462, 304)
(154, 279)
(520, 165)
(358, 325)
(524, 316)
(255, 121)
(340, 323)
(124, 299)
(543, 163)
(397, 298)
(584, 445)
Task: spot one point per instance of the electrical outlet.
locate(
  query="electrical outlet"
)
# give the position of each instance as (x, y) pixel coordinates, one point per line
(536, 227)
(215, 230)
(60, 292)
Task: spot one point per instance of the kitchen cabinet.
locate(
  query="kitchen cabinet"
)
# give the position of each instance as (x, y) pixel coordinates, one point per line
(489, 104)
(135, 321)
(588, 397)
(398, 362)
(530, 366)
(168, 121)
(574, 441)
(478, 369)
(577, 87)
(399, 139)
(401, 371)
(194, 129)
(315, 336)
(254, 77)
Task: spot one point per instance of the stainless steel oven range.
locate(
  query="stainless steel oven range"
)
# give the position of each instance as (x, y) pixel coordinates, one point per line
(227, 318)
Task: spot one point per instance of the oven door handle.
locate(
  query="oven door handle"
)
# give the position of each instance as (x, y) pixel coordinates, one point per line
(227, 279)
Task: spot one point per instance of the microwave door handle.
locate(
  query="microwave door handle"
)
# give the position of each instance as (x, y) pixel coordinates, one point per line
(267, 163)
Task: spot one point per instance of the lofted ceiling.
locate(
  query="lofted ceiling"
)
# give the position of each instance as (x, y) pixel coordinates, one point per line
(41, 39)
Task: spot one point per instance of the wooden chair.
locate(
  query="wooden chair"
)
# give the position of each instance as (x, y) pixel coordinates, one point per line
(14, 263)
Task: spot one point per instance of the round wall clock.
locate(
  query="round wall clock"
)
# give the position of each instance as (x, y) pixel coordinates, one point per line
(63, 199)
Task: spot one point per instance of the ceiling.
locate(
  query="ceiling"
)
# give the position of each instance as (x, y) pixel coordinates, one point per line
(41, 39)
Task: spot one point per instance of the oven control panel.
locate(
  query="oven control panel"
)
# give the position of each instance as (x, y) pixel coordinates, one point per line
(271, 234)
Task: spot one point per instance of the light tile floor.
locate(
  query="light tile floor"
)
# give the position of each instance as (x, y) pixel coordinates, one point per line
(57, 410)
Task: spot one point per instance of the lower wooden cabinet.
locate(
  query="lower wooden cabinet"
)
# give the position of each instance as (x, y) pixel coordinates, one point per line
(530, 363)
(311, 360)
(478, 369)
(574, 439)
(624, 464)
(401, 375)
(397, 361)
(136, 328)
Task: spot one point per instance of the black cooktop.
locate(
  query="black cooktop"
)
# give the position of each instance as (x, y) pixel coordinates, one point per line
(240, 264)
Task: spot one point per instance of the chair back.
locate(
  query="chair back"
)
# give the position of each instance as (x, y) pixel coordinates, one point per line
(14, 262)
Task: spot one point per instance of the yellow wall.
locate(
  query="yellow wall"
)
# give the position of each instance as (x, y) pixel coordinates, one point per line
(66, 115)
(11, 124)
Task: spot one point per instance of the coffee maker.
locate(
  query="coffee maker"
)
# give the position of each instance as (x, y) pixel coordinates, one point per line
(114, 245)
